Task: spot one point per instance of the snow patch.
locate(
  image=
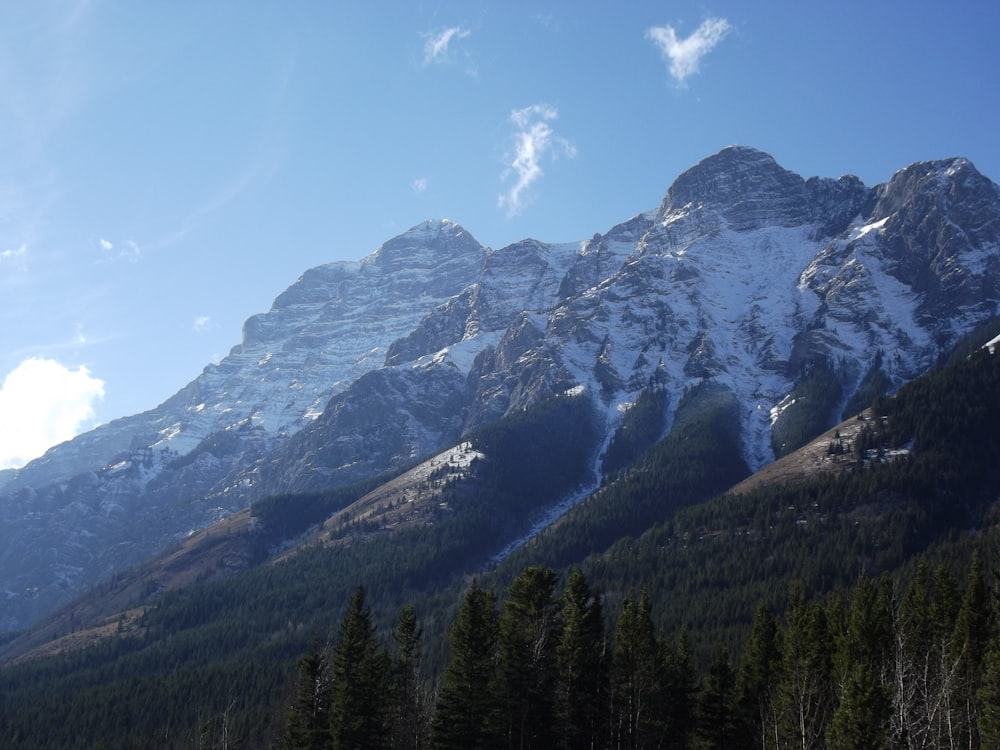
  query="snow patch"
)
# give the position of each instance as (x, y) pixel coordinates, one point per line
(858, 232)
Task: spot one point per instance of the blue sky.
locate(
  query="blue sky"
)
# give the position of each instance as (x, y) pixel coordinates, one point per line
(168, 168)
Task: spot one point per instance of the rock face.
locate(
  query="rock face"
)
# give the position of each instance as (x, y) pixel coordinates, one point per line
(747, 276)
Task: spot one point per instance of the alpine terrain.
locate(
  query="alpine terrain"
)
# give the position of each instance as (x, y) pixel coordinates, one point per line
(793, 301)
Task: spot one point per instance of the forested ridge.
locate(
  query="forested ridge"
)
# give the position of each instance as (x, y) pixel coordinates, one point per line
(683, 601)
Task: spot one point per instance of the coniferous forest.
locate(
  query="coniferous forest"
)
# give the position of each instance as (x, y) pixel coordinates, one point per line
(875, 667)
(857, 608)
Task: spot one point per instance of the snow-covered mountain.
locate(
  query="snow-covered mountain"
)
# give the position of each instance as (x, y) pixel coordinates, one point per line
(798, 296)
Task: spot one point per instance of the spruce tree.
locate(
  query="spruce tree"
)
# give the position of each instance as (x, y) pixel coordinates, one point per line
(636, 677)
(526, 662)
(582, 663)
(308, 723)
(971, 639)
(717, 716)
(360, 689)
(679, 692)
(466, 716)
(915, 673)
(861, 670)
(410, 714)
(757, 679)
(804, 690)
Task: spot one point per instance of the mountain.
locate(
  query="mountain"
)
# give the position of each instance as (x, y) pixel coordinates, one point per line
(214, 663)
(795, 300)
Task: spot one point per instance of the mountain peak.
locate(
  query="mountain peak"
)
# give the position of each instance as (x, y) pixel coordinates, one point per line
(747, 187)
(944, 181)
(426, 245)
(790, 287)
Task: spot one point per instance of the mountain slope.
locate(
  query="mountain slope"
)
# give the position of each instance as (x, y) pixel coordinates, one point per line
(222, 653)
(789, 295)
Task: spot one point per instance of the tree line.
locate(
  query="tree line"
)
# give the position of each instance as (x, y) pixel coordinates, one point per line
(875, 667)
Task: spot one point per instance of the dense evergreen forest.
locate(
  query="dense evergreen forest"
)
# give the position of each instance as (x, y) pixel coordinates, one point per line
(873, 669)
(856, 609)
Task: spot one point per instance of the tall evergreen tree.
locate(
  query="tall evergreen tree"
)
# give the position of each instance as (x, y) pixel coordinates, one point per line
(915, 671)
(804, 690)
(526, 662)
(717, 718)
(971, 639)
(757, 679)
(582, 663)
(861, 672)
(465, 717)
(410, 714)
(308, 722)
(679, 694)
(360, 690)
(636, 677)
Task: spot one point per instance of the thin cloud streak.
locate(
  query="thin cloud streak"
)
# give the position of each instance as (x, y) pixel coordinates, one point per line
(534, 141)
(436, 46)
(684, 55)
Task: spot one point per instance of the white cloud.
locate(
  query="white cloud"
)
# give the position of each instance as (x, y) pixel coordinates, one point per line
(436, 46)
(534, 140)
(684, 55)
(130, 251)
(202, 323)
(15, 258)
(43, 403)
(420, 185)
(8, 254)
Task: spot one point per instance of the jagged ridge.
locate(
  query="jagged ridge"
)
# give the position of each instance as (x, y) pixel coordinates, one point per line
(747, 276)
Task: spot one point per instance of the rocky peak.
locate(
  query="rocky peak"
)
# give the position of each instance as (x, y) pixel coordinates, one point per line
(934, 214)
(747, 187)
(437, 244)
(747, 274)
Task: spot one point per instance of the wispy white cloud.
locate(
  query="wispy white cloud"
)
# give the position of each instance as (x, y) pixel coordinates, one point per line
(202, 323)
(15, 258)
(419, 185)
(43, 403)
(130, 251)
(684, 55)
(436, 44)
(534, 141)
(14, 253)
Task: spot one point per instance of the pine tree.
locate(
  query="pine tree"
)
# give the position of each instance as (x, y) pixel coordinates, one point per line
(466, 716)
(679, 692)
(636, 677)
(717, 708)
(804, 690)
(916, 671)
(526, 662)
(971, 639)
(360, 690)
(757, 678)
(410, 716)
(308, 724)
(861, 669)
(581, 658)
